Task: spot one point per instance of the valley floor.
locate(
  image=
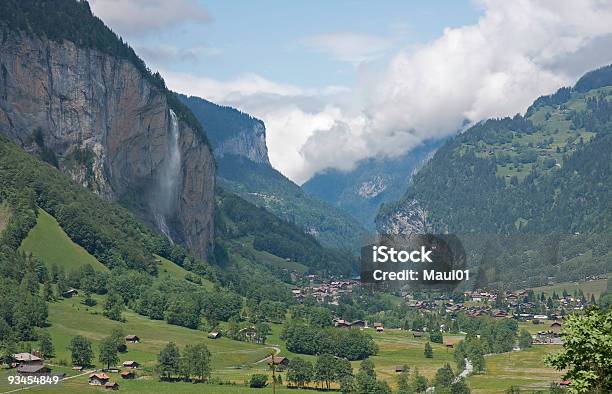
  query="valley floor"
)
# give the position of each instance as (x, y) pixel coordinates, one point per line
(234, 362)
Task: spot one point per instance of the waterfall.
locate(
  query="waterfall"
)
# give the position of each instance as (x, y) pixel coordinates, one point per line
(169, 177)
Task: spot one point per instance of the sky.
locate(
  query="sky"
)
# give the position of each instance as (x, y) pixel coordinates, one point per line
(337, 82)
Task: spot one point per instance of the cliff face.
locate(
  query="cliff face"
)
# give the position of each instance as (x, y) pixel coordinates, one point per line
(249, 143)
(231, 131)
(100, 120)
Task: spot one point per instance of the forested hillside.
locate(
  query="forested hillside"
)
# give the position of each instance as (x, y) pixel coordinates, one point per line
(546, 174)
(255, 253)
(239, 144)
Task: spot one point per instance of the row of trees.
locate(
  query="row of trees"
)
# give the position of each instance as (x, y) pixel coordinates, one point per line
(192, 361)
(350, 344)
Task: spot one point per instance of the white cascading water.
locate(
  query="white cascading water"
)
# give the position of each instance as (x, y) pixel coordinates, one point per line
(168, 181)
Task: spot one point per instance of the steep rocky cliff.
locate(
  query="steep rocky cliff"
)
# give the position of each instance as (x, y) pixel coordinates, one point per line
(231, 131)
(99, 118)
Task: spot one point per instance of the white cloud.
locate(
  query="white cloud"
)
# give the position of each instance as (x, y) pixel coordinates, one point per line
(516, 51)
(165, 55)
(136, 17)
(348, 46)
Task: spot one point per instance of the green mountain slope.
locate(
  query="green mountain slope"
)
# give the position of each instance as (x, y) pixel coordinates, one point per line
(50, 243)
(239, 145)
(547, 175)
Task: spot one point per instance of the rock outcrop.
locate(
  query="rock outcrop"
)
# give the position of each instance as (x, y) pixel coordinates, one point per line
(100, 120)
(231, 131)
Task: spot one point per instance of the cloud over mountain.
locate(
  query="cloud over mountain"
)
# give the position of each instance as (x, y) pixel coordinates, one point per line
(496, 67)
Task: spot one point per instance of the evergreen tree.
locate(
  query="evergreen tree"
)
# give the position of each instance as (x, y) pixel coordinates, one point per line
(525, 339)
(444, 377)
(428, 351)
(419, 382)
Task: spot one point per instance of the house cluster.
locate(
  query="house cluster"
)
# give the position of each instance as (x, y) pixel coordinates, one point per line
(341, 323)
(104, 380)
(29, 364)
(325, 292)
(551, 336)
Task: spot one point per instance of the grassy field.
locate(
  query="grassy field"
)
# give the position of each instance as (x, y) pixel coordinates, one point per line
(525, 369)
(167, 268)
(235, 361)
(595, 287)
(50, 243)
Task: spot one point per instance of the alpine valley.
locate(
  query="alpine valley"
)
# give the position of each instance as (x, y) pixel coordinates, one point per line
(147, 244)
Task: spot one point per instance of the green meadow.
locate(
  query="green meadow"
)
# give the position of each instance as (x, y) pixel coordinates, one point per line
(50, 243)
(233, 361)
(595, 287)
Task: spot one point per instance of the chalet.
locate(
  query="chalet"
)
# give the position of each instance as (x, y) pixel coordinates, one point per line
(376, 325)
(342, 324)
(417, 334)
(500, 314)
(111, 386)
(132, 338)
(33, 369)
(540, 317)
(131, 364)
(98, 379)
(380, 329)
(70, 293)
(565, 383)
(127, 375)
(214, 335)
(27, 359)
(359, 324)
(249, 332)
(277, 360)
(555, 327)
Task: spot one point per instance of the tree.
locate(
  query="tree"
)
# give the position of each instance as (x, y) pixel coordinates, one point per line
(381, 387)
(436, 337)
(81, 352)
(365, 380)
(460, 387)
(47, 291)
(419, 382)
(118, 337)
(263, 330)
(444, 377)
(199, 357)
(45, 344)
(258, 380)
(113, 306)
(87, 300)
(587, 351)
(525, 339)
(325, 369)
(108, 352)
(403, 385)
(299, 372)
(428, 351)
(168, 361)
